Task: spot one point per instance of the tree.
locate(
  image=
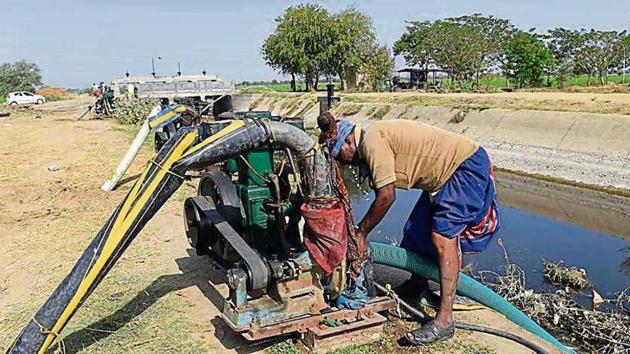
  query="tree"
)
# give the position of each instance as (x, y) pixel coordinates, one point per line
(353, 40)
(488, 36)
(625, 53)
(378, 68)
(415, 45)
(456, 48)
(300, 44)
(20, 76)
(605, 51)
(526, 59)
(465, 46)
(562, 44)
(591, 52)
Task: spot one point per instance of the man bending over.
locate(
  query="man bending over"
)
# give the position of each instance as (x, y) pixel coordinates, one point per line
(457, 211)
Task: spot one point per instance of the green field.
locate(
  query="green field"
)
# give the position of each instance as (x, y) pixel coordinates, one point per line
(486, 82)
(495, 81)
(2, 99)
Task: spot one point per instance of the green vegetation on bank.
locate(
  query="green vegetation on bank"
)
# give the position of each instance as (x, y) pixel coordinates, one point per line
(2, 99)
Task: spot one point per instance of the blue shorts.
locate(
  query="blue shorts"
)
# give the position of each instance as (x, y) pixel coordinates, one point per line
(465, 207)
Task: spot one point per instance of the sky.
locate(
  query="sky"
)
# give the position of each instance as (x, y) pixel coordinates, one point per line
(76, 43)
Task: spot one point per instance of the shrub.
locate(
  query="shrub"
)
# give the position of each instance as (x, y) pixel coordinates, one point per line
(134, 111)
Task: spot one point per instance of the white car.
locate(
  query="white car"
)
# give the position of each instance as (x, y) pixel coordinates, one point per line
(24, 97)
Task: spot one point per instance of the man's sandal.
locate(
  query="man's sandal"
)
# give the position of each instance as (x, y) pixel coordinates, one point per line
(429, 334)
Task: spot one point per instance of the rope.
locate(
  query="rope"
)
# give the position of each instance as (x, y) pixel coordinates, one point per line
(167, 171)
(311, 151)
(282, 167)
(251, 168)
(61, 347)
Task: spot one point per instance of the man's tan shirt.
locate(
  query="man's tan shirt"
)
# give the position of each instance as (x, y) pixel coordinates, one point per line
(411, 154)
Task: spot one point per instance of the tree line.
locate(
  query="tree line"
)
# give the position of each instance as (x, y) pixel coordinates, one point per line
(309, 43)
(469, 46)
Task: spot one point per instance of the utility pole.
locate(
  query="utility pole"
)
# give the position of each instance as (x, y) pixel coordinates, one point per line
(623, 73)
(153, 65)
(179, 69)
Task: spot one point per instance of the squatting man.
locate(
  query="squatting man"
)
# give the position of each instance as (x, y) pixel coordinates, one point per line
(457, 211)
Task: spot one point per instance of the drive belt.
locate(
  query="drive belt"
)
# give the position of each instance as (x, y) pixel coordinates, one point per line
(258, 273)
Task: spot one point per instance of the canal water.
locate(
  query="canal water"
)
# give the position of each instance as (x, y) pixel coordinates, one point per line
(537, 226)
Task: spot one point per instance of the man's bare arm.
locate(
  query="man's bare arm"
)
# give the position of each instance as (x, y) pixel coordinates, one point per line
(385, 197)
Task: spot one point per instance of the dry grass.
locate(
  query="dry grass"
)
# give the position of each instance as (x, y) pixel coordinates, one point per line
(306, 109)
(48, 217)
(256, 102)
(347, 109)
(371, 111)
(388, 343)
(610, 88)
(545, 101)
(381, 112)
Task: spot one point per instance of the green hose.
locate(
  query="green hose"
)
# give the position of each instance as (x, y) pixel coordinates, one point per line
(400, 258)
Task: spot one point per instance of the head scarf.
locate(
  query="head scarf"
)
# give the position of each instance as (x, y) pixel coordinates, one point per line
(344, 128)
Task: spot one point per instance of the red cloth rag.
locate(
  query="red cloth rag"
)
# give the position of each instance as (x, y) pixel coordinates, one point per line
(325, 235)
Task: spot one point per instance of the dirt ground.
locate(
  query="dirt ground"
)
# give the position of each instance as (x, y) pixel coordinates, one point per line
(158, 298)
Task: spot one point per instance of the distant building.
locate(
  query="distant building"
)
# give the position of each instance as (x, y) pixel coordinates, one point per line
(197, 90)
(415, 78)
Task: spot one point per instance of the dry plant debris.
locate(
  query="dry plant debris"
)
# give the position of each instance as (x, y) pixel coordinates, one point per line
(560, 275)
(591, 330)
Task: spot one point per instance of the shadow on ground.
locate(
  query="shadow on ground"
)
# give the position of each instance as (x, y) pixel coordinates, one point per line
(128, 179)
(196, 271)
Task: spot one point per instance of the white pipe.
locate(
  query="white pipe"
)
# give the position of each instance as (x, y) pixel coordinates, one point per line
(131, 153)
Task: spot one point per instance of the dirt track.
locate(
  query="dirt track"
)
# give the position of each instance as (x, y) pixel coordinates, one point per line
(157, 298)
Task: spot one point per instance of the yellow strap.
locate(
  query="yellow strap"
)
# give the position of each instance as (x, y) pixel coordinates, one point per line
(168, 115)
(129, 211)
(162, 119)
(115, 236)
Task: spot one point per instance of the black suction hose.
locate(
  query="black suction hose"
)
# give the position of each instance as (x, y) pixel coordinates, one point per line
(467, 327)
